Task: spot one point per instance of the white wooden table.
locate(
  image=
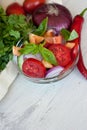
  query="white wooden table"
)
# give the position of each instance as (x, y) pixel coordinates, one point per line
(57, 106)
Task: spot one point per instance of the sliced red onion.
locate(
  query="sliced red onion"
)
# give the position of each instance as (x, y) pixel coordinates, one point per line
(58, 16)
(54, 71)
(37, 56)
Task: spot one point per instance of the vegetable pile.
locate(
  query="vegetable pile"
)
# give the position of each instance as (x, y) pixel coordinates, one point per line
(43, 36)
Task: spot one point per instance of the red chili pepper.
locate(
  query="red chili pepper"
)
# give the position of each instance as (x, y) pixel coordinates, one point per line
(77, 26)
(81, 65)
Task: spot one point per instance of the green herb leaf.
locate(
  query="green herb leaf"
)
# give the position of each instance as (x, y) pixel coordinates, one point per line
(73, 35)
(30, 48)
(15, 34)
(69, 36)
(1, 45)
(47, 55)
(41, 28)
(17, 20)
(65, 33)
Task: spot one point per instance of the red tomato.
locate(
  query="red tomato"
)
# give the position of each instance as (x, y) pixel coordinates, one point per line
(15, 8)
(31, 5)
(62, 53)
(33, 68)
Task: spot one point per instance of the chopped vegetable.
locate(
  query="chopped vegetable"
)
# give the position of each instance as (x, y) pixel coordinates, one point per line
(33, 68)
(49, 33)
(16, 51)
(47, 64)
(55, 71)
(62, 53)
(35, 38)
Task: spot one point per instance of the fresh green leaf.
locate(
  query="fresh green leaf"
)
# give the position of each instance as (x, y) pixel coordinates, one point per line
(15, 34)
(17, 20)
(30, 48)
(41, 28)
(65, 33)
(73, 35)
(47, 55)
(69, 36)
(1, 44)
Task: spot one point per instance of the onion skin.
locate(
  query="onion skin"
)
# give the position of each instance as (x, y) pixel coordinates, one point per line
(58, 16)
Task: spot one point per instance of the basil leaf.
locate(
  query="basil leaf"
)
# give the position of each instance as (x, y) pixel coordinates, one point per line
(30, 48)
(73, 35)
(41, 28)
(47, 55)
(69, 36)
(65, 33)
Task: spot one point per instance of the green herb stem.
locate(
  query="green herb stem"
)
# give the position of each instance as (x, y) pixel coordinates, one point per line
(83, 12)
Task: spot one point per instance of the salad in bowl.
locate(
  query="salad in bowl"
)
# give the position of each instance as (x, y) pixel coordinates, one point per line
(48, 53)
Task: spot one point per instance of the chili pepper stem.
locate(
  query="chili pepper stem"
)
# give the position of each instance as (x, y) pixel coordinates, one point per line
(83, 12)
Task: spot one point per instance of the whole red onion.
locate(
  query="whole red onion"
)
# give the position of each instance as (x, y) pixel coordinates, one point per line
(58, 16)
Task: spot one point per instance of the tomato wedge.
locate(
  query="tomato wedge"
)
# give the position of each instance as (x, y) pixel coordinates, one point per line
(33, 68)
(62, 53)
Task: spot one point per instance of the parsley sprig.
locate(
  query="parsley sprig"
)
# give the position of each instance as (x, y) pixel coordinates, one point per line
(12, 28)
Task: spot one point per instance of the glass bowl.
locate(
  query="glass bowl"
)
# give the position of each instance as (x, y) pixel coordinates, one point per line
(58, 77)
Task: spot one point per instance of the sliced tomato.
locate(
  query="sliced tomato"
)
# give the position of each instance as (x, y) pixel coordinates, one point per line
(15, 8)
(33, 68)
(62, 53)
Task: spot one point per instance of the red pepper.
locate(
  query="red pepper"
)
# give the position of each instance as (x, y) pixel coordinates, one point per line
(81, 65)
(77, 26)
